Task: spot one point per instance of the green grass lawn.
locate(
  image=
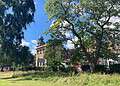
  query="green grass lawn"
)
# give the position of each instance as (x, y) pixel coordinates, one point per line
(51, 79)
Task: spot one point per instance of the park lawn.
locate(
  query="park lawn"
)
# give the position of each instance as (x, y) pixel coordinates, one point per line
(43, 79)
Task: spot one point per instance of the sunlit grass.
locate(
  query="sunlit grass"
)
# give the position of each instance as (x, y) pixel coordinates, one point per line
(57, 79)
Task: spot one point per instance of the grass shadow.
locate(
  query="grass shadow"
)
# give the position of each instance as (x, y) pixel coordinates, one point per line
(36, 75)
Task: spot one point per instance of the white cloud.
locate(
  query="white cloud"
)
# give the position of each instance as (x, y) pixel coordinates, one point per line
(69, 34)
(75, 39)
(34, 42)
(65, 23)
(69, 45)
(33, 46)
(33, 51)
(25, 43)
(115, 19)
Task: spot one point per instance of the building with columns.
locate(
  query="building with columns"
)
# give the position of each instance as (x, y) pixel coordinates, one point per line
(40, 61)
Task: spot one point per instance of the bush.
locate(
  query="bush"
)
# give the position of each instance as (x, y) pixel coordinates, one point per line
(86, 68)
(115, 68)
(100, 68)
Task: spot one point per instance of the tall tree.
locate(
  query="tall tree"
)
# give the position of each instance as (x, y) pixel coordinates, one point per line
(88, 20)
(15, 15)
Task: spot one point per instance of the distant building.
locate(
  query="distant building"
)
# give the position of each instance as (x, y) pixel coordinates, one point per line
(40, 61)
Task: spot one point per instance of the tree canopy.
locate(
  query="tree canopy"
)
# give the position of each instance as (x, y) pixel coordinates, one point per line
(88, 20)
(15, 15)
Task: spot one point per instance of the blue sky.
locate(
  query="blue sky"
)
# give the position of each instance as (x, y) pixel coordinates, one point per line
(37, 29)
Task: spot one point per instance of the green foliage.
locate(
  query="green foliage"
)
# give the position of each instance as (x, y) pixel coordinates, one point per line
(15, 15)
(21, 57)
(89, 21)
(24, 56)
(78, 56)
(56, 8)
(57, 79)
(56, 24)
(54, 52)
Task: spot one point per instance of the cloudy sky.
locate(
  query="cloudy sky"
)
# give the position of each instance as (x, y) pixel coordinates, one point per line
(37, 28)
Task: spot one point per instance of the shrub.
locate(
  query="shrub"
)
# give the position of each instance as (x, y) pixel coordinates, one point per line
(115, 68)
(100, 68)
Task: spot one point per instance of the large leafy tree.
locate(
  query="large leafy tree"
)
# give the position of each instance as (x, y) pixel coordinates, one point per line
(24, 57)
(15, 15)
(54, 52)
(88, 20)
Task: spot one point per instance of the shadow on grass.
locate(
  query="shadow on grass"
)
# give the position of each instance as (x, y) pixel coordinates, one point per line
(6, 78)
(36, 75)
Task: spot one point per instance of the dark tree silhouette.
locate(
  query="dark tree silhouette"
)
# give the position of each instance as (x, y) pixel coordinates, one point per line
(15, 15)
